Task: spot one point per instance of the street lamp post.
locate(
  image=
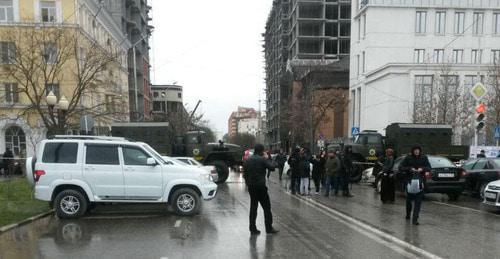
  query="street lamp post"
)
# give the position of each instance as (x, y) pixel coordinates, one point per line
(62, 106)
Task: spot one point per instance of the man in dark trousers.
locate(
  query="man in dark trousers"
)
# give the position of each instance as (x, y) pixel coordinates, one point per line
(255, 177)
(281, 160)
(8, 162)
(414, 167)
(387, 190)
(294, 161)
(346, 172)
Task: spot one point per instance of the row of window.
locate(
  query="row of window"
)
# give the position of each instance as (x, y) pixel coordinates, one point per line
(459, 26)
(50, 52)
(66, 153)
(48, 11)
(457, 56)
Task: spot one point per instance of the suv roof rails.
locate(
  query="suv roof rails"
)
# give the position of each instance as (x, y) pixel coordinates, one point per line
(87, 137)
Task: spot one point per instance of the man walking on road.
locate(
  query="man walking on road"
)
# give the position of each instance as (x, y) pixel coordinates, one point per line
(414, 166)
(281, 160)
(294, 161)
(255, 177)
(346, 172)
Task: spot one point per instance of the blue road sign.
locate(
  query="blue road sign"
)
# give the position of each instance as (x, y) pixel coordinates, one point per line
(497, 132)
(355, 131)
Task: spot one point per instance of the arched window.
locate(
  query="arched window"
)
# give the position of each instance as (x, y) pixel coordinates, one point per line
(15, 140)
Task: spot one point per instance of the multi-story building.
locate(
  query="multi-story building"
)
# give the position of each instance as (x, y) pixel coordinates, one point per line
(67, 51)
(303, 40)
(248, 126)
(237, 116)
(133, 18)
(167, 101)
(416, 61)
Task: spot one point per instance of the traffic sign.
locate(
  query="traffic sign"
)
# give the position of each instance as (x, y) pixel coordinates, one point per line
(478, 91)
(497, 132)
(355, 131)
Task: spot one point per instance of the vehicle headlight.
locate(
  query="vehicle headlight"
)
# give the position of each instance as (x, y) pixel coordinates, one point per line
(206, 177)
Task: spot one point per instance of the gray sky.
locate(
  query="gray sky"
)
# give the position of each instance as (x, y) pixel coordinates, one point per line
(214, 50)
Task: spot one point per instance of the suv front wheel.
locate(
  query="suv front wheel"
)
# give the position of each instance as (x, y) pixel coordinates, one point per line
(186, 202)
(70, 204)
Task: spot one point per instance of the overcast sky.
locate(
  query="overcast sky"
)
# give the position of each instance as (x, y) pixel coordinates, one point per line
(214, 50)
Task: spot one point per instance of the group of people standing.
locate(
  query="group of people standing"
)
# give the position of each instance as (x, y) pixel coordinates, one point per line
(330, 170)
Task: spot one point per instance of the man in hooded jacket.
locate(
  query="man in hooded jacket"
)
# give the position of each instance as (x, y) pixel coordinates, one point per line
(414, 166)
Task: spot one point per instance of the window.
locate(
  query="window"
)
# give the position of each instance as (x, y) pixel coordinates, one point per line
(345, 29)
(359, 29)
(495, 56)
(134, 156)
(496, 20)
(476, 55)
(364, 26)
(420, 22)
(15, 140)
(481, 164)
(423, 90)
(419, 55)
(159, 106)
(357, 65)
(469, 165)
(438, 55)
(61, 153)
(155, 94)
(52, 87)
(457, 56)
(363, 62)
(440, 22)
(7, 52)
(11, 93)
(344, 46)
(459, 23)
(179, 95)
(48, 11)
(102, 155)
(477, 26)
(50, 53)
(6, 11)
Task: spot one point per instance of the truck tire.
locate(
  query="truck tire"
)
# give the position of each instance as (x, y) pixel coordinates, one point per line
(70, 204)
(186, 202)
(222, 171)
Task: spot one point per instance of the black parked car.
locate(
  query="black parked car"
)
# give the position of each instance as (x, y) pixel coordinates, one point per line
(480, 172)
(445, 177)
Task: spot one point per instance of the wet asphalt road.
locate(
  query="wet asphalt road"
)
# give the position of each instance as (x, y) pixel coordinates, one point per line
(310, 227)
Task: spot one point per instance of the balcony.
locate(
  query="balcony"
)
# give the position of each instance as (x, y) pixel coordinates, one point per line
(487, 4)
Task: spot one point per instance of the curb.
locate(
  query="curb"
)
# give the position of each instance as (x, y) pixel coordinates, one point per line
(25, 221)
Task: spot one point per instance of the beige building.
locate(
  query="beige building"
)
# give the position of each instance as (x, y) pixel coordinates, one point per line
(71, 49)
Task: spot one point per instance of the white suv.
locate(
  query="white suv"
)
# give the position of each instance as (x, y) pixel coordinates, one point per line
(73, 172)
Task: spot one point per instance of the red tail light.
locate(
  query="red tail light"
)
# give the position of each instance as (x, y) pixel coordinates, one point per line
(428, 175)
(462, 173)
(38, 174)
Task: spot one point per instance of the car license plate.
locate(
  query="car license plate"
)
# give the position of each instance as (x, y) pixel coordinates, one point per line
(490, 195)
(446, 175)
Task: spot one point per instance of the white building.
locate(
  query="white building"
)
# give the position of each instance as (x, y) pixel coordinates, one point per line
(400, 48)
(248, 126)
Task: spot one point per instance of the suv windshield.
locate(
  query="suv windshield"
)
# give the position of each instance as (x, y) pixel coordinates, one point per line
(367, 139)
(440, 162)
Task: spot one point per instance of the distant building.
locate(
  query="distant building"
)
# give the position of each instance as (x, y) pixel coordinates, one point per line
(167, 101)
(248, 126)
(237, 116)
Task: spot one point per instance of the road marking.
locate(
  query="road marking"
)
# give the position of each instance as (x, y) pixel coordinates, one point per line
(178, 223)
(465, 208)
(402, 247)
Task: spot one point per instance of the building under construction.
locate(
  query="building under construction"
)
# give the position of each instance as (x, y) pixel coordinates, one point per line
(305, 41)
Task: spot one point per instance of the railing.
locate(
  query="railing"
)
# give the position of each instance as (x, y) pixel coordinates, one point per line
(434, 3)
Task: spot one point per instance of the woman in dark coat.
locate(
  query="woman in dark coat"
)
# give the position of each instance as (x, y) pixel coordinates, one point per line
(318, 172)
(387, 192)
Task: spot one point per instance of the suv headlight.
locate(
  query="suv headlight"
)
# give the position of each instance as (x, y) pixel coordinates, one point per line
(206, 177)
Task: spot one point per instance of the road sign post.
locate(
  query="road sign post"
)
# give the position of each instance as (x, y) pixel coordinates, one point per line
(478, 91)
(354, 131)
(497, 134)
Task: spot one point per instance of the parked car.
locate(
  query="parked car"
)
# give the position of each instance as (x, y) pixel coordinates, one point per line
(193, 162)
(492, 194)
(445, 177)
(74, 172)
(480, 172)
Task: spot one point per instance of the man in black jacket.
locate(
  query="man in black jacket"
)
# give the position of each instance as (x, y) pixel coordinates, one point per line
(255, 177)
(294, 161)
(414, 167)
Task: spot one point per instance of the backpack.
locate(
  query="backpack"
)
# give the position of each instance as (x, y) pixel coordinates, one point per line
(416, 184)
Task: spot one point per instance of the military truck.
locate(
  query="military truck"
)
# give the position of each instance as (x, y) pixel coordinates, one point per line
(221, 155)
(435, 139)
(192, 143)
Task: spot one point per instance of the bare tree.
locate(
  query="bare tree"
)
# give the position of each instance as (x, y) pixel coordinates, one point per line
(45, 57)
(493, 101)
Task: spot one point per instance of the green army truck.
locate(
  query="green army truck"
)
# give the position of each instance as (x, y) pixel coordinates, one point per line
(190, 144)
(435, 139)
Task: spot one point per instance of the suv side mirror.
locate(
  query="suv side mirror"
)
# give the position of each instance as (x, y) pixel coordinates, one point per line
(151, 161)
